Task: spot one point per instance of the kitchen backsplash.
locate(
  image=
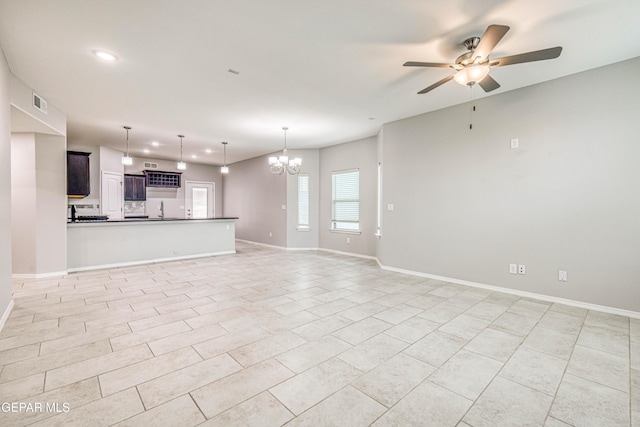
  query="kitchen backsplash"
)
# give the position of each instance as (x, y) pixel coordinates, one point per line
(134, 208)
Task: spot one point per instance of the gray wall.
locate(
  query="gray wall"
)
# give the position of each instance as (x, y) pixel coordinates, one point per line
(5, 187)
(39, 204)
(363, 155)
(51, 199)
(255, 195)
(466, 205)
(311, 166)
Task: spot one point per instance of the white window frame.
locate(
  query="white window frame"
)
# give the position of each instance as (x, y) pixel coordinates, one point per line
(379, 219)
(302, 226)
(335, 222)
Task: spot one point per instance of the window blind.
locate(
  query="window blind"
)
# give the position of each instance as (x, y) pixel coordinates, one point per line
(303, 201)
(345, 200)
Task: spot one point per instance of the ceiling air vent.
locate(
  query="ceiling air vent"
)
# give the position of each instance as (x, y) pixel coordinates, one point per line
(149, 165)
(39, 103)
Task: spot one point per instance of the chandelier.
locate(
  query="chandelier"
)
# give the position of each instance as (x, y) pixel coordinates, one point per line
(281, 163)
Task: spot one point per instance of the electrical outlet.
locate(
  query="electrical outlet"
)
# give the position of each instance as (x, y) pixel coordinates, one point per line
(270, 234)
(513, 268)
(521, 269)
(348, 239)
(562, 276)
(390, 207)
(514, 143)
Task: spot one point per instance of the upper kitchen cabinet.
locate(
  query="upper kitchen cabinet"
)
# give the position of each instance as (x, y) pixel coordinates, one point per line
(78, 177)
(134, 188)
(162, 179)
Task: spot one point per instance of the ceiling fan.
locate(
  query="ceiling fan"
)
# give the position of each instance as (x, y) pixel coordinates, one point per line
(473, 67)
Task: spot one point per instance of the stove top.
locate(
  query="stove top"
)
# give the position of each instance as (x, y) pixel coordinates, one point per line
(92, 218)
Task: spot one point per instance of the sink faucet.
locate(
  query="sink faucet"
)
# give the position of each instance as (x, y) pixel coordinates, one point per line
(161, 209)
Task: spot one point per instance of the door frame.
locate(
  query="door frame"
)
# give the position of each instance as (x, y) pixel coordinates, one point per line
(188, 201)
(120, 175)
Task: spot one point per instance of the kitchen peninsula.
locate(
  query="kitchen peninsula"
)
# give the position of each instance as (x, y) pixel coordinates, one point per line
(106, 244)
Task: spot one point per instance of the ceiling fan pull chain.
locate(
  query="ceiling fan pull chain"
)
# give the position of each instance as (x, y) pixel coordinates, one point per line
(472, 107)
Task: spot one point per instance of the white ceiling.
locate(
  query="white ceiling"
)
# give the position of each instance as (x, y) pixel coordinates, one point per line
(329, 70)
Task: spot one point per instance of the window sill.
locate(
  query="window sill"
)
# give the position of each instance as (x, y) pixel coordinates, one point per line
(303, 229)
(345, 231)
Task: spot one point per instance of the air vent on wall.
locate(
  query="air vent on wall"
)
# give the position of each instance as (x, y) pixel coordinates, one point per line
(149, 165)
(39, 103)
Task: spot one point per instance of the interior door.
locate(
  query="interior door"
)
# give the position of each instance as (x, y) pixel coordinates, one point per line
(111, 198)
(199, 199)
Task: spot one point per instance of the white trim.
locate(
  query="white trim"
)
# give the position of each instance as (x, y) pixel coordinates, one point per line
(343, 231)
(39, 275)
(150, 261)
(303, 228)
(213, 199)
(262, 244)
(303, 249)
(349, 254)
(542, 297)
(6, 314)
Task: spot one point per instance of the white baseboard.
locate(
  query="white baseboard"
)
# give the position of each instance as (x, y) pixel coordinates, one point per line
(39, 276)
(542, 297)
(353, 254)
(251, 242)
(6, 314)
(150, 261)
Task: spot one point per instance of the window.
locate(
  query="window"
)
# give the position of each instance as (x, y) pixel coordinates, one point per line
(379, 219)
(345, 200)
(303, 202)
(199, 197)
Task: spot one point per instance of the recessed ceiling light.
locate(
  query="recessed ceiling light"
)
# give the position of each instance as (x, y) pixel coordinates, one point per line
(155, 143)
(103, 54)
(208, 151)
(146, 151)
(372, 118)
(193, 156)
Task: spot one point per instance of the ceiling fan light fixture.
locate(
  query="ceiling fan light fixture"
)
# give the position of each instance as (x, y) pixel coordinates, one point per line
(471, 74)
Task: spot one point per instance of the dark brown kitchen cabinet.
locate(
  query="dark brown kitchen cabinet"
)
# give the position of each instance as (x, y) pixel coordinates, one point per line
(134, 188)
(78, 176)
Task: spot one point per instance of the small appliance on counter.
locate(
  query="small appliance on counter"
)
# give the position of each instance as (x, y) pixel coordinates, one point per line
(88, 218)
(85, 213)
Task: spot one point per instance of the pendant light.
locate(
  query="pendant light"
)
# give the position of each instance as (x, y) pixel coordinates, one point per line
(181, 165)
(126, 160)
(225, 168)
(281, 163)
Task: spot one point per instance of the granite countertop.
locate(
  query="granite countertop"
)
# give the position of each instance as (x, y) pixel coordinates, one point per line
(110, 221)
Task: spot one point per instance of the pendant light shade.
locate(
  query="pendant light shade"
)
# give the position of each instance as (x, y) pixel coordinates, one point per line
(225, 169)
(181, 165)
(126, 159)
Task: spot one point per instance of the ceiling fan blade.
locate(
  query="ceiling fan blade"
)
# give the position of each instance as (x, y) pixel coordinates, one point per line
(489, 40)
(488, 84)
(538, 55)
(426, 64)
(435, 85)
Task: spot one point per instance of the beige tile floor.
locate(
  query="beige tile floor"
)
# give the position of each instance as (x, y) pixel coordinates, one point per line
(268, 337)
